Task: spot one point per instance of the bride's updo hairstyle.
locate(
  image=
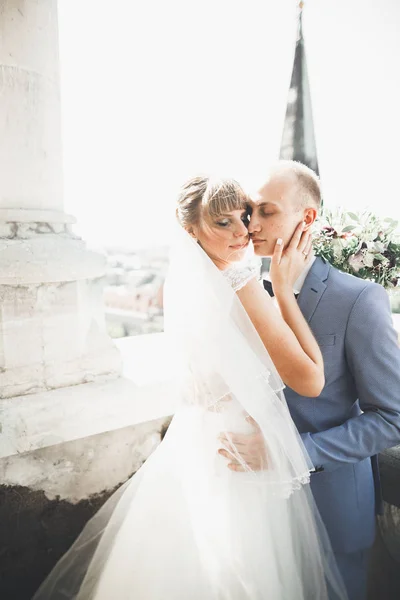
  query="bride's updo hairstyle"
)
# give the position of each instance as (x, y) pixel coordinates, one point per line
(202, 194)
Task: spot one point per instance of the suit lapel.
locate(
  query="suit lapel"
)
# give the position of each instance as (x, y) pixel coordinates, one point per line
(313, 288)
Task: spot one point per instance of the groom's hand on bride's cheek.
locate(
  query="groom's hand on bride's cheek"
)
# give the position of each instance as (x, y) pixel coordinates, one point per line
(250, 448)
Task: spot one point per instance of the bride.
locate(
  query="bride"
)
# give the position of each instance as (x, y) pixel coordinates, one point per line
(185, 526)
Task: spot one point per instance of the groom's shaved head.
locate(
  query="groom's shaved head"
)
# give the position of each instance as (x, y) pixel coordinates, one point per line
(308, 190)
(290, 194)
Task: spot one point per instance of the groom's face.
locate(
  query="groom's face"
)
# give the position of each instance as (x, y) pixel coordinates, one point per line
(275, 212)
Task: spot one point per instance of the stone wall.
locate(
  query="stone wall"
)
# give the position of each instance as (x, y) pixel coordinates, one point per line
(48, 495)
(64, 451)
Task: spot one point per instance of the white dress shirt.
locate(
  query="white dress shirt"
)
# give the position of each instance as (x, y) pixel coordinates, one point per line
(298, 284)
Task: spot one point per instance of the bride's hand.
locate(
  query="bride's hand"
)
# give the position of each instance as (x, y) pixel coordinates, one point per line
(288, 263)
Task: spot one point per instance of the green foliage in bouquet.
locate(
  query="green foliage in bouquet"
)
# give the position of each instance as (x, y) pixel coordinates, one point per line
(361, 244)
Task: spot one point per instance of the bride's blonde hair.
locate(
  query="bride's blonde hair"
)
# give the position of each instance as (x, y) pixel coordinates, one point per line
(214, 195)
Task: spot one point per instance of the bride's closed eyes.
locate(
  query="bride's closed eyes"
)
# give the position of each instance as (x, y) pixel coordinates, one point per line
(229, 220)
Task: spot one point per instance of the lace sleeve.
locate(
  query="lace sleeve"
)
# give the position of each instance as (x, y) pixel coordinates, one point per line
(238, 275)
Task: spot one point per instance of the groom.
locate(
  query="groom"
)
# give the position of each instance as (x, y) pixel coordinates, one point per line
(357, 414)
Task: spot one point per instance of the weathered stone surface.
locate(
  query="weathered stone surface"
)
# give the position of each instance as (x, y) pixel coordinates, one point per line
(53, 335)
(28, 257)
(147, 391)
(36, 532)
(75, 470)
(60, 489)
(30, 140)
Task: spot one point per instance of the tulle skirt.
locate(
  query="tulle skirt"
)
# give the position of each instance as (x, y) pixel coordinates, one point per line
(185, 527)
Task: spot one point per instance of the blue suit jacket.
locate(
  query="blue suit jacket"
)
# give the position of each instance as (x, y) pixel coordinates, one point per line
(357, 414)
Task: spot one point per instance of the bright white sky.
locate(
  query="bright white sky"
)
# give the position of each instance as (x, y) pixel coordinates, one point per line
(156, 91)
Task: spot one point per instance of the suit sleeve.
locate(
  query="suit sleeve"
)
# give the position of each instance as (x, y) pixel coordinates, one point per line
(373, 357)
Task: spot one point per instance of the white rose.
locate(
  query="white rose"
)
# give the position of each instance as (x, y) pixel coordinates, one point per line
(369, 259)
(356, 261)
(337, 247)
(370, 236)
(380, 247)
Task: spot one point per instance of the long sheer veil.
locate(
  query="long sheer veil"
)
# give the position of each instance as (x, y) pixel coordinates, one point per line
(249, 533)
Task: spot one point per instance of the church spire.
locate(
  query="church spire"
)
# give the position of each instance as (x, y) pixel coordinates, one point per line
(298, 140)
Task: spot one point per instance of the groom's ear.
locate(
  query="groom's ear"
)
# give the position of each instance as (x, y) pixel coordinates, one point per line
(310, 214)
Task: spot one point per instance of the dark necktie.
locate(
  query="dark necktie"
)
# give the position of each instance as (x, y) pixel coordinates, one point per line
(268, 287)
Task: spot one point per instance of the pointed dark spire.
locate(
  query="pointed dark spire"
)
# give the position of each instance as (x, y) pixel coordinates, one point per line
(298, 140)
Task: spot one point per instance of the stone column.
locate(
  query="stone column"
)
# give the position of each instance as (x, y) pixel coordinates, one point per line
(52, 330)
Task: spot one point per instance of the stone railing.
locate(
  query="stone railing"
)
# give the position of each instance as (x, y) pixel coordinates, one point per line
(143, 393)
(64, 451)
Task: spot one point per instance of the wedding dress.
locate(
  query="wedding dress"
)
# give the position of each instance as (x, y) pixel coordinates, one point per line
(185, 527)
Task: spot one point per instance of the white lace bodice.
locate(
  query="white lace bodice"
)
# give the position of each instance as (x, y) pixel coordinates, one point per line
(238, 275)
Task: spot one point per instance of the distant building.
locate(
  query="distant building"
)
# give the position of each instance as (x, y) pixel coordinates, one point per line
(133, 296)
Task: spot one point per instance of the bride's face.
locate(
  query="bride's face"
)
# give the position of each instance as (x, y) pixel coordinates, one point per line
(224, 237)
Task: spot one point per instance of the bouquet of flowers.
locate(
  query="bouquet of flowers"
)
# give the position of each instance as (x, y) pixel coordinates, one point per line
(361, 244)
